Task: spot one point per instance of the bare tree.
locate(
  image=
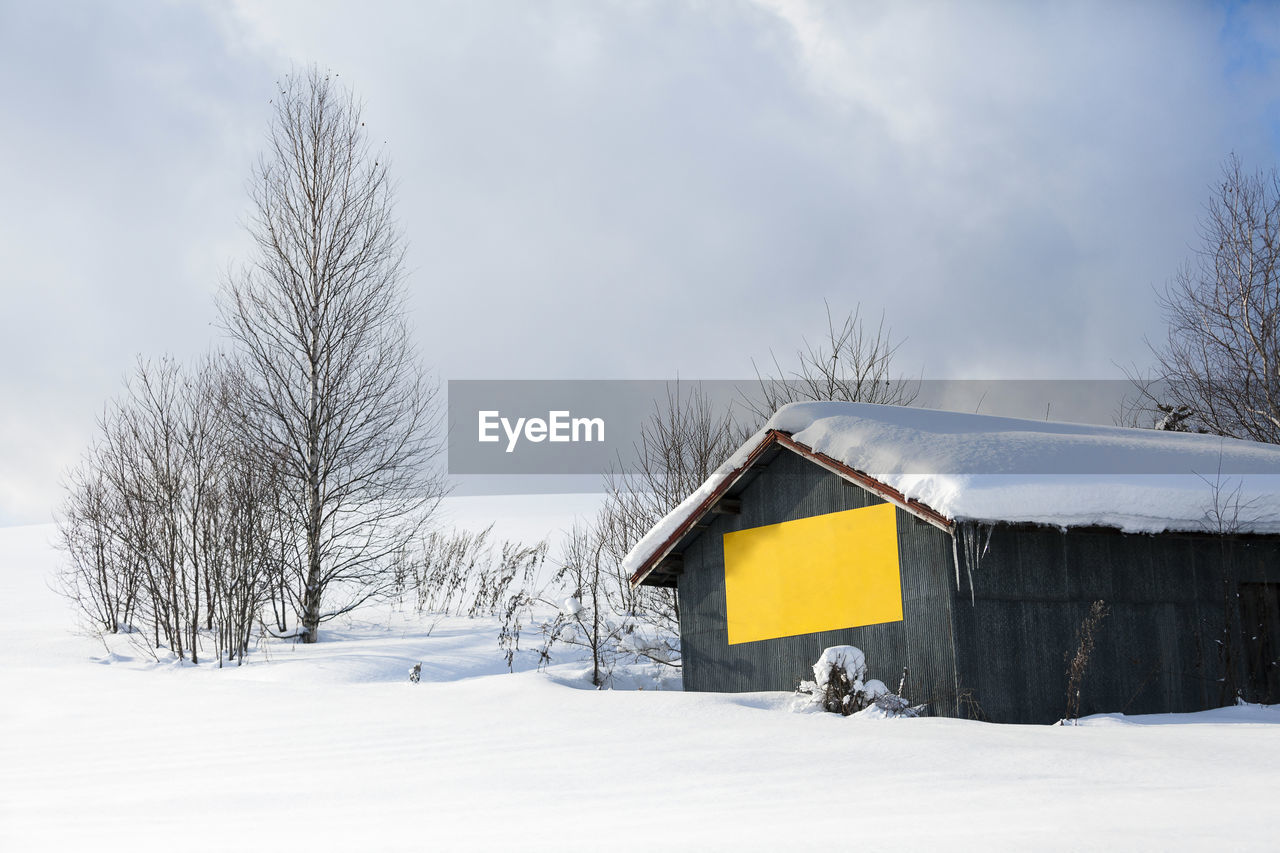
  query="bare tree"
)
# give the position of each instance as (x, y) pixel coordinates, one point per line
(853, 363)
(168, 523)
(1221, 359)
(119, 524)
(682, 443)
(148, 467)
(240, 530)
(102, 575)
(334, 394)
(585, 618)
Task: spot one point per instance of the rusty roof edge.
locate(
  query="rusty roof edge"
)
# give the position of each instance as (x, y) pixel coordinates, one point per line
(835, 466)
(920, 510)
(651, 562)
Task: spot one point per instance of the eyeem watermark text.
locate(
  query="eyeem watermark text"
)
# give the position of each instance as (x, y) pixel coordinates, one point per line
(559, 426)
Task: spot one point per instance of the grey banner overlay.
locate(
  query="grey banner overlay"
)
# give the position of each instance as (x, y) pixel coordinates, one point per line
(549, 442)
(622, 406)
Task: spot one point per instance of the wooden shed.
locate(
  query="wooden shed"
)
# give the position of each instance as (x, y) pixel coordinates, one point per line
(968, 549)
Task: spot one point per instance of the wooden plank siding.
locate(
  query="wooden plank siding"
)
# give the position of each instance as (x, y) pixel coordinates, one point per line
(1001, 642)
(791, 488)
(1157, 651)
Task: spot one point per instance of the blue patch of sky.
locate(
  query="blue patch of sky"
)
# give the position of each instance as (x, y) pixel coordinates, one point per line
(1250, 41)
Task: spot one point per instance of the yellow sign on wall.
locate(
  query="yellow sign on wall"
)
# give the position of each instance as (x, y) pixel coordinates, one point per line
(823, 573)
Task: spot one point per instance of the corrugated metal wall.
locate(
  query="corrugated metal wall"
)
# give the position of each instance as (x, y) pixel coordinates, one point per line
(1172, 613)
(788, 489)
(1000, 647)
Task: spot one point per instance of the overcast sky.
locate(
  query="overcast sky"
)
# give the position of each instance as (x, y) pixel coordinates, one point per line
(601, 190)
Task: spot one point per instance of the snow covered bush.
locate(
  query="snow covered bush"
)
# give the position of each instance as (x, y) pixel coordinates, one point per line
(840, 685)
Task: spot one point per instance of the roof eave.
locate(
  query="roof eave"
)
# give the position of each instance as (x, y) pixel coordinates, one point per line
(660, 553)
(773, 436)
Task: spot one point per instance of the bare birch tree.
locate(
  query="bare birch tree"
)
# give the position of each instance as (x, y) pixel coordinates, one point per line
(1221, 359)
(334, 394)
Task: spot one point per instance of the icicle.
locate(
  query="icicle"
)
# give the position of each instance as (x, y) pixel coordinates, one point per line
(955, 554)
(973, 552)
(968, 569)
(971, 556)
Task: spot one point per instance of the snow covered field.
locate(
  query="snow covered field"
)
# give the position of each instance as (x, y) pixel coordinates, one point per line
(329, 747)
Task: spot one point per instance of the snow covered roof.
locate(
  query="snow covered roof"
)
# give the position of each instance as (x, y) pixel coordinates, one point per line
(948, 467)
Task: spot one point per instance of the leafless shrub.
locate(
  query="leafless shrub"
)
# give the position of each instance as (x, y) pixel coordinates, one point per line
(102, 576)
(167, 518)
(853, 363)
(464, 572)
(583, 606)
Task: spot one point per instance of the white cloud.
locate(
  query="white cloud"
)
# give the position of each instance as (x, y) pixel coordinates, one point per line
(632, 190)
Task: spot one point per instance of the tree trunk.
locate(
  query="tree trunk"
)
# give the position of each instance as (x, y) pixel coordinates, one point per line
(314, 591)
